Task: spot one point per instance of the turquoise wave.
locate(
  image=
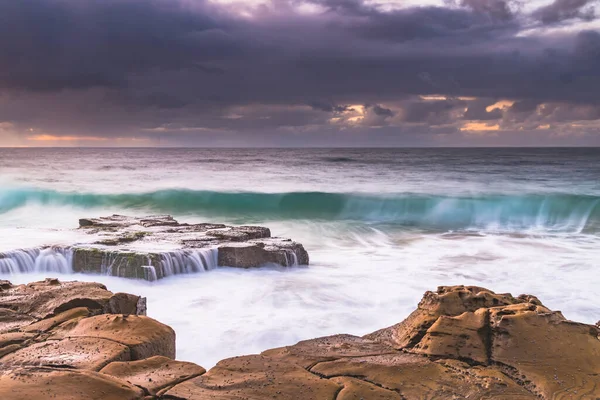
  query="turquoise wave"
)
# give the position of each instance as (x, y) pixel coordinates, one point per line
(568, 212)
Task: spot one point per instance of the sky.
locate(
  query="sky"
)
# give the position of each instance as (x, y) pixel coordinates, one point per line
(287, 73)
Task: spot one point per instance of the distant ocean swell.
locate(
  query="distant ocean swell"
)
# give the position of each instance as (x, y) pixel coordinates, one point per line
(561, 212)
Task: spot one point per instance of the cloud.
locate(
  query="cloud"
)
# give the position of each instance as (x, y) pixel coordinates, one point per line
(112, 68)
(496, 9)
(432, 112)
(478, 110)
(561, 10)
(382, 111)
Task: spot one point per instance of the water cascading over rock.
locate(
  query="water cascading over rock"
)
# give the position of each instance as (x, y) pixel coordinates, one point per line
(50, 259)
(156, 247)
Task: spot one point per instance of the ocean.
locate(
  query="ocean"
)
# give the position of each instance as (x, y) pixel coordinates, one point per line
(381, 226)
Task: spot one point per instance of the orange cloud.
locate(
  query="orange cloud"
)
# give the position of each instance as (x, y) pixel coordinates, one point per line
(479, 127)
(500, 105)
(52, 138)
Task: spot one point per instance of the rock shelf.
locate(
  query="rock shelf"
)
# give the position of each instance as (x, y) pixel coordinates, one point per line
(157, 246)
(73, 340)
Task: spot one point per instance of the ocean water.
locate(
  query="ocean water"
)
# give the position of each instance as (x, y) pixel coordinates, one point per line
(382, 226)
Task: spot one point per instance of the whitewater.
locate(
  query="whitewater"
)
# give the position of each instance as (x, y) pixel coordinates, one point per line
(381, 227)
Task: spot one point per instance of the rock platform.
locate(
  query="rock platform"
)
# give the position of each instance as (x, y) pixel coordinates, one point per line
(73, 340)
(154, 247)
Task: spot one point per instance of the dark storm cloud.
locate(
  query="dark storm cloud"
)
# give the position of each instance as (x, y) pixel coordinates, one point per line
(382, 111)
(527, 106)
(57, 44)
(436, 112)
(477, 110)
(561, 10)
(117, 66)
(328, 107)
(497, 9)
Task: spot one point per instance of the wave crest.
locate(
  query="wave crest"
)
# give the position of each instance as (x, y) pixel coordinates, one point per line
(562, 212)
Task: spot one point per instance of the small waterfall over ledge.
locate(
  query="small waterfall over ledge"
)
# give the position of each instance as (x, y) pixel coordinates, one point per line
(66, 260)
(189, 261)
(49, 259)
(181, 262)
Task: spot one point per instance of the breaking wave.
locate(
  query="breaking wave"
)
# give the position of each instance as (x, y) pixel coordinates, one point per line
(561, 212)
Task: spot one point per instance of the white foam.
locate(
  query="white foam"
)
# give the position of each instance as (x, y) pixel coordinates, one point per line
(188, 261)
(360, 280)
(40, 260)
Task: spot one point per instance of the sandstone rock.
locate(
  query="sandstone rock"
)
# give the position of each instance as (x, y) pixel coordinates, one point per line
(416, 377)
(13, 341)
(240, 234)
(256, 253)
(9, 349)
(23, 304)
(555, 358)
(49, 383)
(356, 389)
(49, 323)
(7, 339)
(11, 320)
(154, 373)
(241, 246)
(124, 303)
(50, 297)
(85, 353)
(144, 336)
(4, 284)
(310, 352)
(255, 378)
(463, 337)
(461, 343)
(447, 301)
(517, 337)
(154, 247)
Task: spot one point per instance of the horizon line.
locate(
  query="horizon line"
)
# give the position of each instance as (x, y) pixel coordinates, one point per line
(303, 147)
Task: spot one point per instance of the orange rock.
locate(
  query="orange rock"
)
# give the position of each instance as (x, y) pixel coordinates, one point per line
(79, 352)
(47, 298)
(449, 301)
(416, 377)
(255, 378)
(461, 343)
(7, 339)
(309, 352)
(145, 336)
(154, 373)
(48, 383)
(50, 297)
(553, 357)
(356, 389)
(49, 323)
(11, 320)
(463, 337)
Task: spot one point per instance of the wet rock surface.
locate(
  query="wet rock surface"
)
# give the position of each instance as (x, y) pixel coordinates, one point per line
(460, 343)
(154, 247)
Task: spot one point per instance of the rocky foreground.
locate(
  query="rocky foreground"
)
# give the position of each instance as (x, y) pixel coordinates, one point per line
(74, 340)
(157, 246)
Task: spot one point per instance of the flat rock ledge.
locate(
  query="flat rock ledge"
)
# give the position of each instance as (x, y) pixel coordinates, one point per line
(154, 247)
(73, 340)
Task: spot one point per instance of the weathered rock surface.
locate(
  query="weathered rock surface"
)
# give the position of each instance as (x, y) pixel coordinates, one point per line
(460, 343)
(157, 246)
(64, 384)
(85, 352)
(66, 325)
(143, 336)
(23, 305)
(154, 373)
